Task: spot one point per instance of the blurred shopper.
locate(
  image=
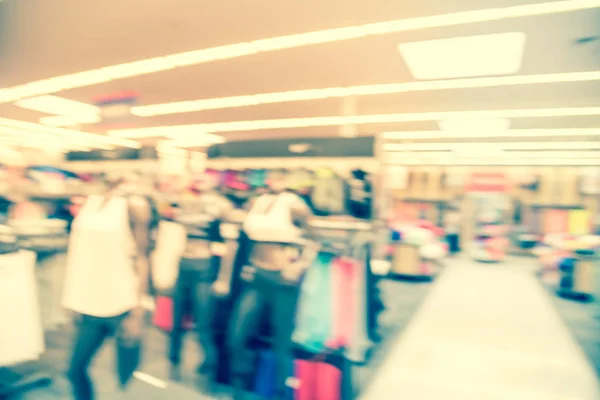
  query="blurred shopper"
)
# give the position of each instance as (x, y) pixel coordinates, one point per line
(107, 275)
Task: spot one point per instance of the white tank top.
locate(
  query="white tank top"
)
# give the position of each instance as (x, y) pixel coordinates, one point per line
(270, 219)
(100, 279)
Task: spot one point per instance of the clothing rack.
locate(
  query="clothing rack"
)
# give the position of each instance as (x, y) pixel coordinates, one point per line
(352, 238)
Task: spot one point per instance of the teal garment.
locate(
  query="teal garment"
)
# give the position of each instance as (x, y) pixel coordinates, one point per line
(257, 178)
(314, 316)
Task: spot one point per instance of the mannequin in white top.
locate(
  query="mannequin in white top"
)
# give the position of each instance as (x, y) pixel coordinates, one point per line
(107, 275)
(275, 226)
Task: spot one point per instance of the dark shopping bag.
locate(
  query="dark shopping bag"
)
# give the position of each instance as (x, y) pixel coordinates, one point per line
(129, 355)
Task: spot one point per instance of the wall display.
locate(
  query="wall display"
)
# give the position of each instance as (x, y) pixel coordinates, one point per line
(488, 203)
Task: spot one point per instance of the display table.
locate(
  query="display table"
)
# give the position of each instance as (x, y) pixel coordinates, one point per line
(576, 279)
(417, 252)
(572, 259)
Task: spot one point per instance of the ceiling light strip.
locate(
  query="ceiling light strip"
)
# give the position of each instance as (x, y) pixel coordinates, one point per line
(329, 93)
(513, 133)
(511, 146)
(502, 155)
(577, 162)
(157, 64)
(67, 133)
(239, 126)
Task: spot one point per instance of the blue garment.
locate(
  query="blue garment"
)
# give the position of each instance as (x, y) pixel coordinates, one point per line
(264, 385)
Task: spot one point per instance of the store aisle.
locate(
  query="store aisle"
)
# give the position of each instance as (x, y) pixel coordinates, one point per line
(485, 333)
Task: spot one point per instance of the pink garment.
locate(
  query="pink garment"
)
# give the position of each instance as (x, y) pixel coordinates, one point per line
(329, 382)
(163, 315)
(342, 281)
(317, 381)
(306, 374)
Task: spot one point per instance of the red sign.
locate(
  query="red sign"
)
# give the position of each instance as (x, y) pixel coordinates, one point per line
(487, 182)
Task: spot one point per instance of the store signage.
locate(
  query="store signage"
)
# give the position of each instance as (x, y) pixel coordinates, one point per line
(145, 153)
(299, 148)
(116, 106)
(487, 182)
(281, 148)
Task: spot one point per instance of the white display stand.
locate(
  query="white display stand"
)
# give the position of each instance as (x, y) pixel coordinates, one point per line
(21, 336)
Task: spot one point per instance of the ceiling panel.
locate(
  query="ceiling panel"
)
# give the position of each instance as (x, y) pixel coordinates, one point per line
(43, 39)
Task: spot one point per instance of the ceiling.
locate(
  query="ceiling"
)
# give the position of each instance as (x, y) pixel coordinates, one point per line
(43, 39)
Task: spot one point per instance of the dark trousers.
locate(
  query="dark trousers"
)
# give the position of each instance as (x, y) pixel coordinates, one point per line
(265, 292)
(91, 332)
(193, 293)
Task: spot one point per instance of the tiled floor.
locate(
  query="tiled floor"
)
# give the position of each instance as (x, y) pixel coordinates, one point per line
(486, 332)
(487, 299)
(402, 300)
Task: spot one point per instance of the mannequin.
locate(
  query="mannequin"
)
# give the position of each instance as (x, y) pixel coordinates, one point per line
(202, 275)
(105, 288)
(275, 225)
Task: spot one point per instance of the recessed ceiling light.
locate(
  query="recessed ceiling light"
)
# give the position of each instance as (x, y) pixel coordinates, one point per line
(468, 56)
(475, 125)
(142, 67)
(57, 106)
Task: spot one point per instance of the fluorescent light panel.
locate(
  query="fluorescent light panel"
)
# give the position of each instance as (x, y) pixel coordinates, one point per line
(501, 162)
(468, 56)
(23, 128)
(499, 154)
(57, 106)
(63, 121)
(239, 126)
(474, 125)
(513, 146)
(513, 133)
(141, 67)
(365, 90)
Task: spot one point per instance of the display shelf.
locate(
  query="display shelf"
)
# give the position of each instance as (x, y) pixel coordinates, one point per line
(555, 206)
(576, 283)
(409, 265)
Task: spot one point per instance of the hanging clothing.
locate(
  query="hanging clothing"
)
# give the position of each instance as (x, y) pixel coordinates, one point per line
(590, 181)
(98, 282)
(343, 280)
(329, 193)
(314, 328)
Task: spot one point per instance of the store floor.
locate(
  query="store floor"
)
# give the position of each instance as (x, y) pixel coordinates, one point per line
(151, 382)
(486, 332)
